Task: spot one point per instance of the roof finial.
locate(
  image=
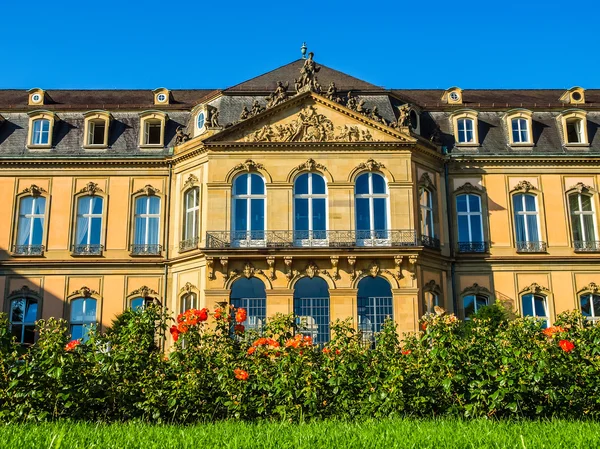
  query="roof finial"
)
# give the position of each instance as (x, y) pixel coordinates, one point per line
(303, 50)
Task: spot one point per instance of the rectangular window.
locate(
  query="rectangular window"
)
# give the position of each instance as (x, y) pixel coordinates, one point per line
(96, 132)
(465, 131)
(575, 131)
(520, 130)
(41, 132)
(153, 131)
(536, 306)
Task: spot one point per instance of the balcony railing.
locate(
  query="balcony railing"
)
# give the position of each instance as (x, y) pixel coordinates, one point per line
(586, 246)
(87, 250)
(531, 247)
(316, 239)
(430, 242)
(186, 245)
(473, 247)
(28, 250)
(146, 250)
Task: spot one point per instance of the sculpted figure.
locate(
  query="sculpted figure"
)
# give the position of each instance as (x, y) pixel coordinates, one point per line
(214, 118)
(180, 136)
(361, 107)
(256, 108)
(351, 102)
(403, 118)
(245, 113)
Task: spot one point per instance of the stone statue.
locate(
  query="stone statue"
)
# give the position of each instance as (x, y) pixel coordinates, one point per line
(180, 136)
(214, 118)
(308, 80)
(361, 108)
(351, 101)
(279, 96)
(436, 135)
(256, 108)
(374, 115)
(245, 113)
(404, 117)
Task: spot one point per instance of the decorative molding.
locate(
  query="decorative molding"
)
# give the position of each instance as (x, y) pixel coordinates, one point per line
(224, 263)
(144, 291)
(535, 289)
(210, 263)
(412, 261)
(398, 262)
(475, 290)
(467, 187)
(374, 269)
(370, 165)
(524, 186)
(249, 270)
(85, 292)
(425, 182)
(288, 265)
(352, 264)
(432, 287)
(311, 270)
(187, 288)
(271, 264)
(190, 182)
(311, 165)
(25, 292)
(334, 265)
(147, 190)
(249, 165)
(580, 187)
(91, 188)
(34, 190)
(592, 287)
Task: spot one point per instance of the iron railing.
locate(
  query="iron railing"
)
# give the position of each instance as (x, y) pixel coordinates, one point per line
(28, 250)
(586, 246)
(146, 249)
(317, 239)
(186, 245)
(87, 250)
(430, 242)
(531, 247)
(473, 247)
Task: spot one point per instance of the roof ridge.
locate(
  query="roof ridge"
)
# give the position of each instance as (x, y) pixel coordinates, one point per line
(262, 74)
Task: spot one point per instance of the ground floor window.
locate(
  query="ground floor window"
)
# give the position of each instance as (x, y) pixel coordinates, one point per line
(311, 307)
(250, 295)
(374, 304)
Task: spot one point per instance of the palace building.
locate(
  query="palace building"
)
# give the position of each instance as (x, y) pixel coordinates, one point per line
(302, 190)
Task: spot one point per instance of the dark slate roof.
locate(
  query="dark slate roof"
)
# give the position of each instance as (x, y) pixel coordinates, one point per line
(287, 73)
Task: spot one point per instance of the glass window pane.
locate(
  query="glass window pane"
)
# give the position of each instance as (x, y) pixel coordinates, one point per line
(474, 203)
(518, 203)
(141, 205)
(318, 184)
(76, 331)
(520, 228)
(258, 214)
(532, 228)
(137, 303)
(540, 306)
(240, 185)
(461, 203)
(83, 205)
(574, 202)
(97, 205)
(40, 205)
(469, 305)
(481, 301)
(586, 309)
(301, 214)
(378, 183)
(26, 205)
(515, 131)
(257, 185)
(363, 220)
(240, 209)
(96, 231)
(154, 205)
(476, 231)
(596, 305)
(379, 213)
(362, 184)
(77, 310)
(530, 205)
(301, 185)
(29, 335)
(319, 221)
(152, 231)
(90, 310)
(140, 230)
(586, 203)
(463, 229)
(17, 312)
(38, 231)
(527, 305)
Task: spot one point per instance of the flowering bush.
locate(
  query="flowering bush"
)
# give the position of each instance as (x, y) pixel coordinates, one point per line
(489, 366)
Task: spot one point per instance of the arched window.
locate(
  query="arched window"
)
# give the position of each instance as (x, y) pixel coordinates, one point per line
(188, 301)
(426, 207)
(470, 223)
(249, 293)
(137, 303)
(82, 317)
(191, 223)
(88, 234)
(30, 230)
(472, 303)
(371, 196)
(590, 306)
(23, 314)
(374, 305)
(41, 132)
(248, 215)
(583, 222)
(536, 306)
(465, 130)
(527, 224)
(311, 307)
(147, 225)
(310, 209)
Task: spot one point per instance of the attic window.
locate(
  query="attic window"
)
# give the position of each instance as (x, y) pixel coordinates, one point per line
(152, 129)
(96, 133)
(152, 132)
(575, 131)
(454, 96)
(41, 132)
(576, 96)
(520, 130)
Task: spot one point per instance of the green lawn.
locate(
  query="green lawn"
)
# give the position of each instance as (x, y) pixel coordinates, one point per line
(328, 434)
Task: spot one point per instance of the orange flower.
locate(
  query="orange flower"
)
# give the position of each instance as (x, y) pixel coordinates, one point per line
(292, 343)
(251, 350)
(239, 328)
(326, 350)
(550, 331)
(338, 352)
(566, 345)
(203, 315)
(406, 351)
(423, 326)
(240, 315)
(240, 374)
(308, 340)
(72, 345)
(182, 328)
(174, 332)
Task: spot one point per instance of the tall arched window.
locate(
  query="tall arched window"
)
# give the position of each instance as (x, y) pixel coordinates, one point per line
(248, 215)
(371, 197)
(590, 306)
(147, 225)
(583, 222)
(426, 208)
(374, 305)
(82, 317)
(30, 231)
(88, 234)
(188, 301)
(191, 223)
(249, 293)
(470, 223)
(23, 314)
(311, 307)
(536, 306)
(310, 209)
(472, 303)
(527, 224)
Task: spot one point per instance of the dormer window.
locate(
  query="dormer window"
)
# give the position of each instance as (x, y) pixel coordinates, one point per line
(518, 123)
(465, 130)
(574, 126)
(96, 129)
(575, 131)
(161, 96)
(41, 124)
(36, 96)
(152, 129)
(464, 123)
(452, 95)
(575, 95)
(520, 130)
(152, 132)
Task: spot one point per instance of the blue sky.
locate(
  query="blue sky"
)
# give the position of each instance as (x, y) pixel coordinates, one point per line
(216, 44)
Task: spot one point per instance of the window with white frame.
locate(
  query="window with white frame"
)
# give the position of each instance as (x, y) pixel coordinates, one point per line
(426, 207)
(192, 208)
(147, 220)
(310, 207)
(575, 131)
(30, 227)
(371, 196)
(590, 306)
(41, 132)
(470, 223)
(188, 301)
(520, 130)
(536, 306)
(248, 207)
(82, 317)
(152, 132)
(96, 132)
(88, 233)
(583, 220)
(472, 304)
(527, 225)
(466, 132)
(23, 314)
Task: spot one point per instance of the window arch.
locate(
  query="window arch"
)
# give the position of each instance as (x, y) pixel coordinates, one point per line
(472, 304)
(464, 122)
(310, 209)
(31, 224)
(82, 317)
(536, 305)
(590, 305)
(249, 293)
(249, 210)
(147, 214)
(371, 205)
(88, 225)
(23, 315)
(41, 125)
(583, 221)
(311, 307)
(191, 221)
(527, 223)
(374, 302)
(470, 223)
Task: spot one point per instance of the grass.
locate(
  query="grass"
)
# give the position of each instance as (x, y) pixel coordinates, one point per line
(401, 433)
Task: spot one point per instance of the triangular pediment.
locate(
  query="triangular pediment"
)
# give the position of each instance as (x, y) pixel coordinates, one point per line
(310, 117)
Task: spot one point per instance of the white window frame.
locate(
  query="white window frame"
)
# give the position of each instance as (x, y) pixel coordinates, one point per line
(194, 210)
(468, 214)
(546, 310)
(37, 135)
(147, 124)
(520, 129)
(89, 215)
(593, 318)
(462, 134)
(83, 322)
(147, 216)
(487, 303)
(580, 214)
(32, 216)
(310, 196)
(524, 213)
(248, 197)
(92, 132)
(424, 208)
(579, 130)
(193, 302)
(371, 197)
(22, 323)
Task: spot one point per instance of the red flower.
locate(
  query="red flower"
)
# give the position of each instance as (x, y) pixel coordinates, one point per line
(251, 350)
(406, 351)
(326, 350)
(423, 326)
(203, 315)
(566, 345)
(239, 328)
(240, 374)
(72, 345)
(182, 328)
(240, 315)
(174, 332)
(550, 331)
(338, 352)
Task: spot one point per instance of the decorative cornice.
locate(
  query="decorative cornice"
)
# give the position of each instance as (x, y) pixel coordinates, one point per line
(524, 186)
(476, 289)
(592, 287)
(467, 187)
(580, 187)
(534, 289)
(24, 291)
(144, 291)
(84, 291)
(91, 188)
(190, 182)
(147, 190)
(425, 182)
(187, 288)
(34, 190)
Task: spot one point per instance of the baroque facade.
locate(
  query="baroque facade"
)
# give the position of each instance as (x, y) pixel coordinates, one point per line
(302, 190)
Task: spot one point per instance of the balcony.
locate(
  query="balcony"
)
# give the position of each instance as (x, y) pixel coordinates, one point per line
(28, 250)
(87, 250)
(531, 247)
(588, 246)
(310, 239)
(473, 247)
(189, 244)
(430, 242)
(146, 250)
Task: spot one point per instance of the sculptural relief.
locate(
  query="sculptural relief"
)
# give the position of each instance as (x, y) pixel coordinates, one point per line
(180, 136)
